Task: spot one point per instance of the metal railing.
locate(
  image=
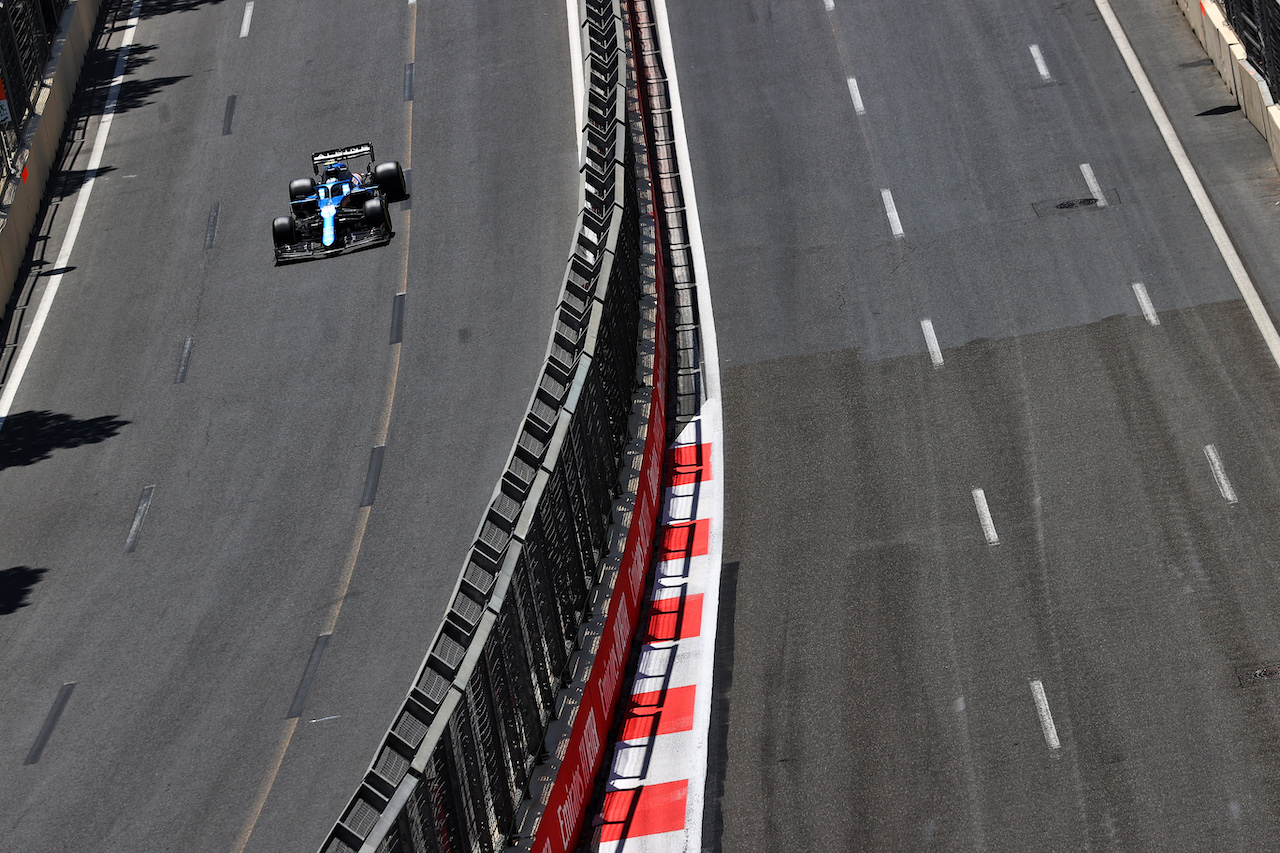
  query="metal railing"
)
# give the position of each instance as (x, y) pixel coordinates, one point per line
(456, 765)
(27, 29)
(1257, 23)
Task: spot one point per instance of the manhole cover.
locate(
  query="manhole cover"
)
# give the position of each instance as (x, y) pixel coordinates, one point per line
(1073, 203)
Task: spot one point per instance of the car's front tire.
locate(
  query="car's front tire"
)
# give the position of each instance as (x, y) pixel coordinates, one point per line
(389, 178)
(301, 188)
(375, 213)
(283, 231)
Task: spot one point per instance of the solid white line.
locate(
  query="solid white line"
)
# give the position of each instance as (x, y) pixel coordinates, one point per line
(895, 224)
(1220, 474)
(1046, 718)
(578, 73)
(712, 419)
(248, 16)
(73, 226)
(984, 517)
(1039, 60)
(1092, 181)
(857, 97)
(931, 339)
(1228, 251)
(1144, 302)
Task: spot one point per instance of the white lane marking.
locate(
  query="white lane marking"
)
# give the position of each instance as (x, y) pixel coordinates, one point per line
(1092, 181)
(713, 424)
(144, 504)
(895, 224)
(931, 339)
(335, 716)
(73, 226)
(829, 5)
(1210, 216)
(1046, 717)
(248, 16)
(578, 73)
(1220, 474)
(1038, 57)
(1144, 302)
(857, 97)
(984, 517)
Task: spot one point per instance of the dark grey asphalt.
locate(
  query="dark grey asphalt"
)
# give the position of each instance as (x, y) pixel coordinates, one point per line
(188, 652)
(876, 693)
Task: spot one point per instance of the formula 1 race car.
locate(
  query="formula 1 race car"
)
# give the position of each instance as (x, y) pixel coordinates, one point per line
(342, 211)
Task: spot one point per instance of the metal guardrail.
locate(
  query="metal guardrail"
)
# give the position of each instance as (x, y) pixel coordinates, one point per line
(455, 766)
(27, 29)
(1257, 23)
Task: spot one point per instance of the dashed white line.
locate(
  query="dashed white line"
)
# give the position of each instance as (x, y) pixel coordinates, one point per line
(1092, 181)
(895, 224)
(1220, 474)
(1046, 717)
(1210, 216)
(931, 340)
(248, 16)
(1038, 57)
(857, 97)
(984, 517)
(1144, 302)
(829, 5)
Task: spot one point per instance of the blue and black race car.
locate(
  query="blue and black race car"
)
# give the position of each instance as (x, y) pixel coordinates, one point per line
(339, 210)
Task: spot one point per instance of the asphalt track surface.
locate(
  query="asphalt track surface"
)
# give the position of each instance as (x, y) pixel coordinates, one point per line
(187, 651)
(887, 679)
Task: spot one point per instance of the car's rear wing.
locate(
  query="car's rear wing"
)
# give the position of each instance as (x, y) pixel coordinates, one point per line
(320, 159)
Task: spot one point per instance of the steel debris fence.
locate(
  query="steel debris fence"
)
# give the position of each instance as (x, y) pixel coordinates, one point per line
(453, 773)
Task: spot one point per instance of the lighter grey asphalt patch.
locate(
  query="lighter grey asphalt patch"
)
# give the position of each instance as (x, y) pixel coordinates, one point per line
(144, 503)
(308, 677)
(226, 119)
(397, 318)
(371, 479)
(408, 81)
(50, 720)
(211, 232)
(184, 361)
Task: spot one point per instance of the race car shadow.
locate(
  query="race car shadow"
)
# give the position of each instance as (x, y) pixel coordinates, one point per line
(15, 585)
(30, 437)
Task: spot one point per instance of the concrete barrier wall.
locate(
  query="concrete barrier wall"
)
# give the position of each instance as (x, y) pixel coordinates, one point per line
(1242, 80)
(38, 146)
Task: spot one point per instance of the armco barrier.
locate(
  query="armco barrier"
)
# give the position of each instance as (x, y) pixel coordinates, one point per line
(41, 134)
(495, 742)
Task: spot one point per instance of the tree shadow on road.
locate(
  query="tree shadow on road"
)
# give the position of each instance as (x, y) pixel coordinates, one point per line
(30, 437)
(15, 584)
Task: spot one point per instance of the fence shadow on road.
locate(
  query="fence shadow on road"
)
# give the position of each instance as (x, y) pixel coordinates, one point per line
(15, 584)
(32, 436)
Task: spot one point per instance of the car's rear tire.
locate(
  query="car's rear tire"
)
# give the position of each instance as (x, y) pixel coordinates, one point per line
(389, 178)
(375, 213)
(301, 188)
(283, 231)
